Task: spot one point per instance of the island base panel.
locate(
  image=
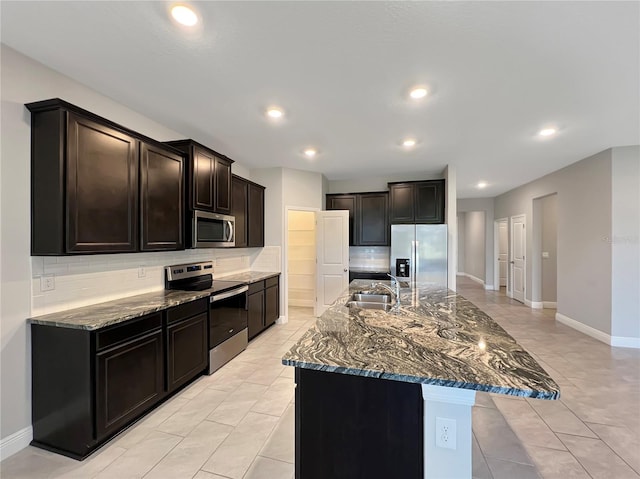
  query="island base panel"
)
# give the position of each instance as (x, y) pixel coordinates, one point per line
(357, 427)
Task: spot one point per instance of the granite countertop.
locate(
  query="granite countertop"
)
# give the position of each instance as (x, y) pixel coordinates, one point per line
(249, 276)
(96, 316)
(437, 337)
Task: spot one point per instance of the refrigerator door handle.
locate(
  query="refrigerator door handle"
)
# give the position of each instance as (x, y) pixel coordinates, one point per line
(417, 260)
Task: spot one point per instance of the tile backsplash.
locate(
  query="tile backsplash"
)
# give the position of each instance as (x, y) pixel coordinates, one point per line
(371, 257)
(89, 279)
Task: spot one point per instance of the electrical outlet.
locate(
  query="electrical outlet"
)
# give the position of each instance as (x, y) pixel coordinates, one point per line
(142, 273)
(47, 283)
(445, 433)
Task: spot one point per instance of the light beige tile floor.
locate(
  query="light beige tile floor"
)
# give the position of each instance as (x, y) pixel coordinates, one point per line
(239, 423)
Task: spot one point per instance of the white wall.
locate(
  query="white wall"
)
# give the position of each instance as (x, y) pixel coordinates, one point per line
(79, 280)
(625, 242)
(474, 244)
(549, 239)
(462, 217)
(451, 219)
(584, 223)
(486, 205)
(375, 183)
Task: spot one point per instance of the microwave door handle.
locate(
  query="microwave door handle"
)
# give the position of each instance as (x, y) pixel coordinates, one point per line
(230, 226)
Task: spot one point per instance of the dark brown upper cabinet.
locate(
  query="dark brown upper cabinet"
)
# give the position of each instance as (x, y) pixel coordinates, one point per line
(161, 199)
(239, 199)
(98, 187)
(345, 202)
(255, 216)
(368, 216)
(208, 177)
(419, 202)
(247, 206)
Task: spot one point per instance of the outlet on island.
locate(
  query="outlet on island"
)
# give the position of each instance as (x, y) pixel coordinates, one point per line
(446, 433)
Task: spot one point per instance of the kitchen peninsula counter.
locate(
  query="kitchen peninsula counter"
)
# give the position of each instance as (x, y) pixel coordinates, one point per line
(384, 382)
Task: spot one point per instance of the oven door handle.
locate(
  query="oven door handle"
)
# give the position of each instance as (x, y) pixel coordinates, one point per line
(228, 294)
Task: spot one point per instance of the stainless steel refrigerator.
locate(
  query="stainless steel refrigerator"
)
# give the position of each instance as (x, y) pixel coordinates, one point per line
(419, 253)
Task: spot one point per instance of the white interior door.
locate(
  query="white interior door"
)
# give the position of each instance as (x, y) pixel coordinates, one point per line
(518, 247)
(503, 253)
(332, 246)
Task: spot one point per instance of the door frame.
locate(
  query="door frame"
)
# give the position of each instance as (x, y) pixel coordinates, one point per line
(285, 254)
(524, 263)
(496, 252)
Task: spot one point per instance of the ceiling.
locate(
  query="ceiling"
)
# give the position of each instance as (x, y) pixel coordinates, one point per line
(497, 72)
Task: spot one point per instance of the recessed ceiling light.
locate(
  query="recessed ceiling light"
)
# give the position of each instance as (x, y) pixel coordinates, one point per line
(547, 132)
(184, 15)
(310, 152)
(482, 184)
(275, 112)
(418, 92)
(408, 142)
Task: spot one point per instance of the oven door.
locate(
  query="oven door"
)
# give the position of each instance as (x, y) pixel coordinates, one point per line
(210, 230)
(227, 315)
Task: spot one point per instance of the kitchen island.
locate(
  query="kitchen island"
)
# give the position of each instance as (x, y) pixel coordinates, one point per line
(373, 387)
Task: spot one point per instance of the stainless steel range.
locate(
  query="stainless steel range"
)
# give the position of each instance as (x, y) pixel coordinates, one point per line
(228, 335)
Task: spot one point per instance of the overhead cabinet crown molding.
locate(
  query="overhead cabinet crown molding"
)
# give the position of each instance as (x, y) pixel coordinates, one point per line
(98, 187)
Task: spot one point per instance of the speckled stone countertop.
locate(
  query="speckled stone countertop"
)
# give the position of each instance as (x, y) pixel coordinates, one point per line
(249, 276)
(96, 316)
(437, 337)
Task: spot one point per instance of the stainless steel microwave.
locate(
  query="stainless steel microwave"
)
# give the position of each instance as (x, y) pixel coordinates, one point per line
(211, 230)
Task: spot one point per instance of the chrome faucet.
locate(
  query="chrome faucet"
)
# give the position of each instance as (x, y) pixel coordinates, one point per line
(395, 292)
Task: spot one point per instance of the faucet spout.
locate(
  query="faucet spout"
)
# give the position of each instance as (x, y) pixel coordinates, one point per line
(394, 291)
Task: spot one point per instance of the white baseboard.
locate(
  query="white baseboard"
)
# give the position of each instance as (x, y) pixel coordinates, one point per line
(625, 342)
(15, 442)
(533, 304)
(489, 286)
(549, 305)
(282, 320)
(616, 341)
(471, 277)
(509, 294)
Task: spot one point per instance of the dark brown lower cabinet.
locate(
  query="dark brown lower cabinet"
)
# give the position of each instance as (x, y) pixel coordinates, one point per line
(187, 350)
(129, 381)
(256, 313)
(88, 385)
(264, 304)
(365, 427)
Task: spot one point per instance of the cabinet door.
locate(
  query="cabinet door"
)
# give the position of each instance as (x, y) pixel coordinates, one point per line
(129, 381)
(255, 213)
(187, 350)
(222, 189)
(256, 313)
(429, 200)
(102, 188)
(345, 202)
(240, 190)
(161, 199)
(373, 219)
(401, 199)
(271, 305)
(203, 185)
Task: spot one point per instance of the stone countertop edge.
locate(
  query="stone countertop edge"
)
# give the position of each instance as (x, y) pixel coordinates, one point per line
(438, 337)
(248, 277)
(101, 315)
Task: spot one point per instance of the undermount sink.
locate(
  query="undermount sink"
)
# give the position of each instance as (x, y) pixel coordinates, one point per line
(369, 305)
(371, 297)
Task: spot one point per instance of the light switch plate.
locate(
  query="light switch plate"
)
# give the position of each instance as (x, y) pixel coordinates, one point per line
(545, 254)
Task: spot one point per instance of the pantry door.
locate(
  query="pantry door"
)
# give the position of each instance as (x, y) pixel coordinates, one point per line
(332, 242)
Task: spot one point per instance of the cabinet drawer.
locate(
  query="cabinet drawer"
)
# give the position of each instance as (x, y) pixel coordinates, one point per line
(255, 287)
(127, 330)
(271, 282)
(187, 310)
(222, 327)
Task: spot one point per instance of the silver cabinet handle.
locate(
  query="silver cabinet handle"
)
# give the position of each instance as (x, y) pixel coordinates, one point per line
(231, 330)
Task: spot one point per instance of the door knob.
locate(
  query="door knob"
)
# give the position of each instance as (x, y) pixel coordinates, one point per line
(345, 270)
(512, 262)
